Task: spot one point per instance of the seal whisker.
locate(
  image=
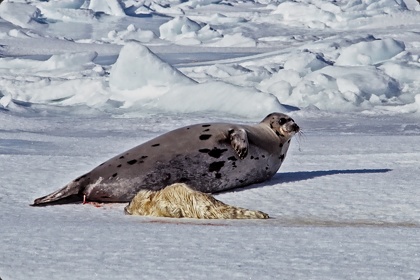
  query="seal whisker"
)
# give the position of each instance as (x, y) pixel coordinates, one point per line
(300, 138)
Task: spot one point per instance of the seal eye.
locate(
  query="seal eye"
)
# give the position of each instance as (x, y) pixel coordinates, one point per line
(282, 121)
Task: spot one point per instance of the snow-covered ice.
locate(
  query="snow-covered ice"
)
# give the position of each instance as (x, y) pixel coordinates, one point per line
(81, 81)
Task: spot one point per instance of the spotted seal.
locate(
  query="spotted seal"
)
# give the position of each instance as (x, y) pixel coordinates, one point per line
(209, 157)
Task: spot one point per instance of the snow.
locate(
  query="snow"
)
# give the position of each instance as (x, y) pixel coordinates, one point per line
(137, 67)
(81, 81)
(369, 53)
(110, 7)
(19, 14)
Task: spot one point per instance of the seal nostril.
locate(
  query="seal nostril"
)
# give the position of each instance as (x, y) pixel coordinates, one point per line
(295, 127)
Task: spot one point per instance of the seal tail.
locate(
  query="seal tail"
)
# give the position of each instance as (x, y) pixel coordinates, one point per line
(70, 193)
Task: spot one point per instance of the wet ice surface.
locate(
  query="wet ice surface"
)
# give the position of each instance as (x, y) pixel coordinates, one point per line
(75, 90)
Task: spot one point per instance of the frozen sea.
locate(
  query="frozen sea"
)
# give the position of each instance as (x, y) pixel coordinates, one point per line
(82, 81)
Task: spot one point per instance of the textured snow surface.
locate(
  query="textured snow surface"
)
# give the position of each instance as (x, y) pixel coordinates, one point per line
(344, 205)
(81, 81)
(337, 56)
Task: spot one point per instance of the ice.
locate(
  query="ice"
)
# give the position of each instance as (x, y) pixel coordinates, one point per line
(369, 53)
(139, 75)
(82, 81)
(178, 26)
(305, 62)
(218, 96)
(132, 33)
(137, 66)
(110, 7)
(21, 15)
(55, 66)
(305, 83)
(184, 31)
(294, 12)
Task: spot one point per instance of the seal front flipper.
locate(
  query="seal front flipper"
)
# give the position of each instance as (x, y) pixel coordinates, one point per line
(71, 192)
(239, 141)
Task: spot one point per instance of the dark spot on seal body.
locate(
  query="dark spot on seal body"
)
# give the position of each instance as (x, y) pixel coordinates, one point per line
(204, 151)
(278, 133)
(263, 156)
(183, 180)
(119, 165)
(216, 166)
(102, 164)
(281, 145)
(131, 162)
(121, 157)
(205, 136)
(114, 175)
(218, 175)
(141, 159)
(206, 125)
(206, 130)
(216, 153)
(232, 158)
(281, 157)
(155, 145)
(81, 177)
(289, 141)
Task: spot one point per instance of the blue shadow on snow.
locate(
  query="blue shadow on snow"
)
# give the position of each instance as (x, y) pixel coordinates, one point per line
(288, 177)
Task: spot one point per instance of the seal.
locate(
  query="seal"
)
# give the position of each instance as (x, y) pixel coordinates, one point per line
(180, 201)
(209, 157)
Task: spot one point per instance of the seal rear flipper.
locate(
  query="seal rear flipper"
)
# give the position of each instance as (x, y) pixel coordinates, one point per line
(72, 192)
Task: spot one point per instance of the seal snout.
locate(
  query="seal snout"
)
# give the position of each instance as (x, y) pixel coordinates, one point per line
(291, 127)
